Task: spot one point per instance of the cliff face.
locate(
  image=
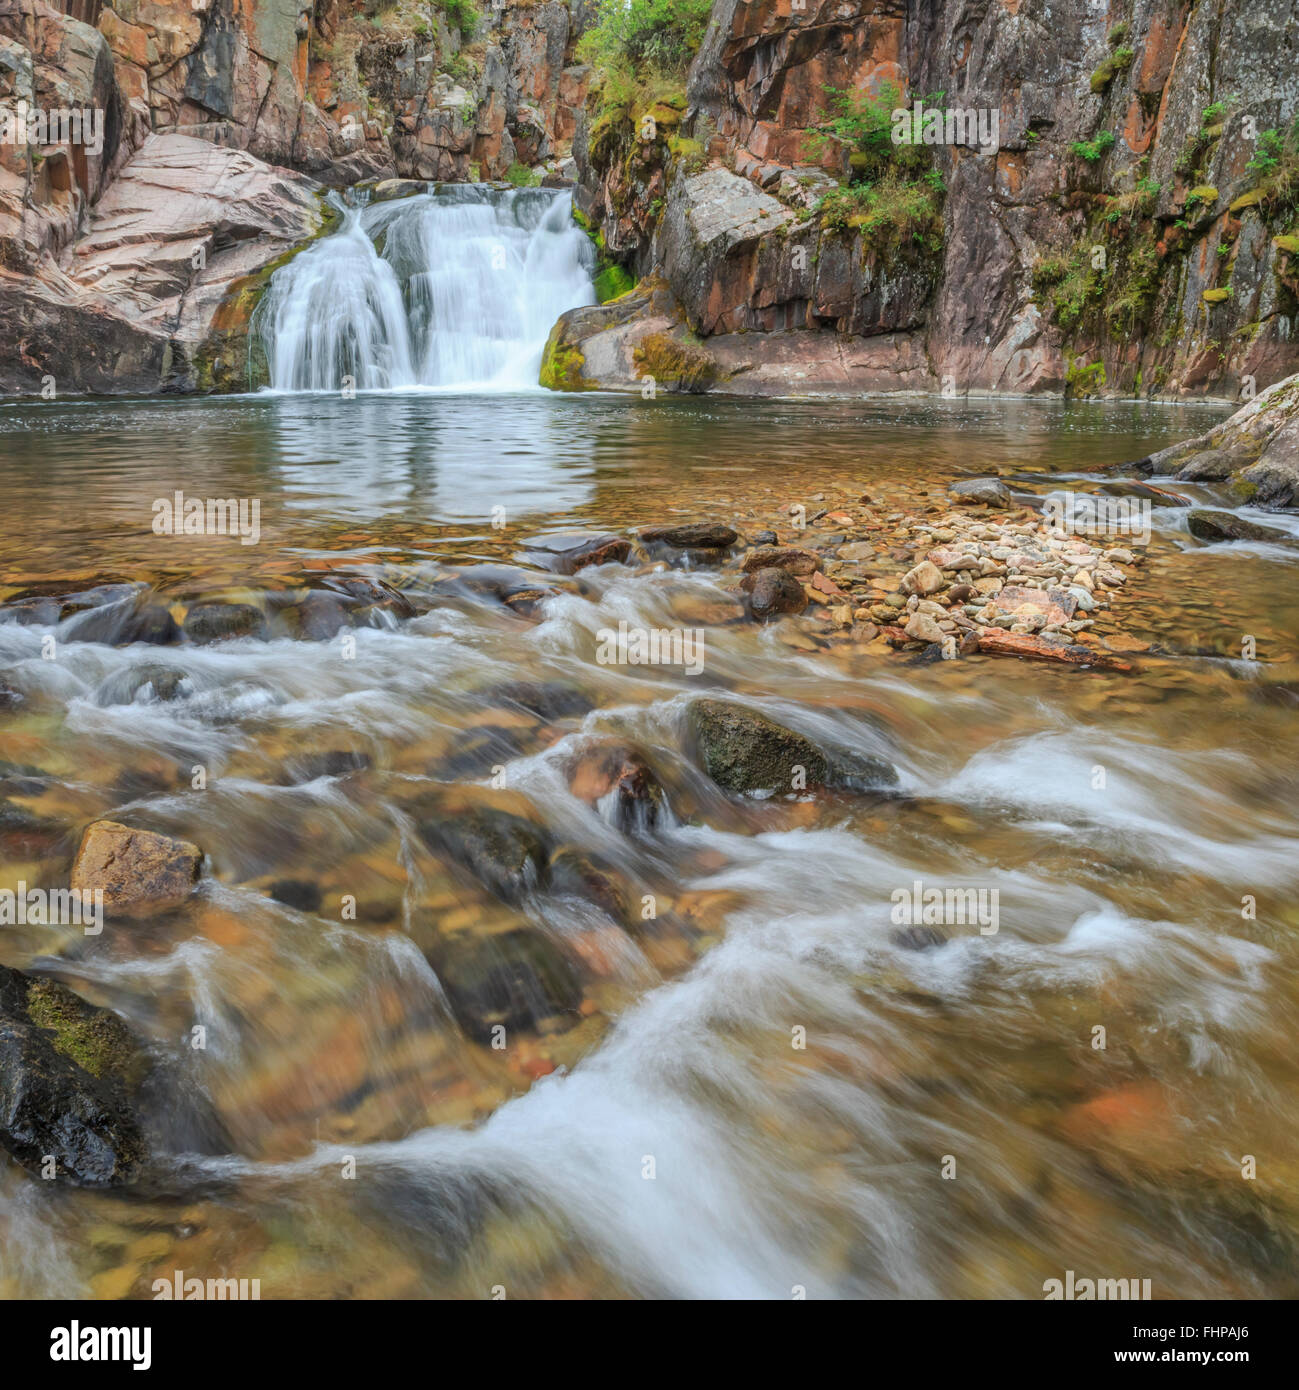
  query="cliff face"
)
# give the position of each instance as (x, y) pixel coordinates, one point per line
(1121, 238)
(1127, 234)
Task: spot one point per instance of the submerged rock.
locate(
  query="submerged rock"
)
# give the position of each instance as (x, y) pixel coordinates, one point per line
(516, 980)
(545, 699)
(149, 682)
(744, 751)
(569, 552)
(503, 850)
(1227, 526)
(213, 622)
(791, 558)
(67, 1072)
(140, 872)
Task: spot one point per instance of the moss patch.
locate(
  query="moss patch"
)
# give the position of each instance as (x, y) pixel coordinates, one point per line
(92, 1038)
(1117, 62)
(562, 364)
(674, 363)
(612, 282)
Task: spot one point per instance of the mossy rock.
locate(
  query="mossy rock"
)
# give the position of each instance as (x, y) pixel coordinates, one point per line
(674, 363)
(1288, 244)
(562, 364)
(744, 751)
(1204, 193)
(1216, 296)
(1117, 62)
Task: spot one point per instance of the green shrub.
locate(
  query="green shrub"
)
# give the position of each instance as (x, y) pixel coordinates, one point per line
(521, 176)
(634, 36)
(1092, 150)
(461, 15)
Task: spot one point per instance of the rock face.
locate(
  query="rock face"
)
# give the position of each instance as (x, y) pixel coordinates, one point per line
(1134, 133)
(67, 1072)
(140, 873)
(148, 297)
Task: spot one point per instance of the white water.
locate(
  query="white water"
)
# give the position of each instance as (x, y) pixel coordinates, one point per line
(455, 289)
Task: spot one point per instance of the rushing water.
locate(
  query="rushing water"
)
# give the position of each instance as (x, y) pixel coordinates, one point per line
(773, 1167)
(455, 289)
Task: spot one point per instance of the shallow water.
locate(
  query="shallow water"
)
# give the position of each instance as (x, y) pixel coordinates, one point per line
(664, 1136)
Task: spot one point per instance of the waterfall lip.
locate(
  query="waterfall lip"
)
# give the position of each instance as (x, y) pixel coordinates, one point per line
(449, 291)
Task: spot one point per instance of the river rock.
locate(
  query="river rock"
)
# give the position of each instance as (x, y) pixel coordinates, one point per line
(703, 535)
(922, 627)
(1055, 606)
(569, 552)
(140, 872)
(67, 1073)
(546, 699)
(615, 777)
(487, 836)
(791, 558)
(926, 578)
(744, 751)
(214, 622)
(1207, 525)
(148, 682)
(772, 592)
(990, 492)
(516, 980)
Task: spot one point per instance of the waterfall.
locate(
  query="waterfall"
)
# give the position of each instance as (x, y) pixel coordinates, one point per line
(456, 288)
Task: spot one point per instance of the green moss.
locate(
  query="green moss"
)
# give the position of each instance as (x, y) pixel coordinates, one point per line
(611, 282)
(1216, 296)
(1247, 200)
(1092, 150)
(520, 176)
(1085, 380)
(1117, 62)
(674, 363)
(1204, 193)
(1288, 244)
(93, 1038)
(562, 364)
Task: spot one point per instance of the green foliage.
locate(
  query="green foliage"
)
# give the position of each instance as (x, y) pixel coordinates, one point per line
(863, 121)
(691, 155)
(639, 36)
(1092, 150)
(1276, 166)
(521, 176)
(895, 213)
(1084, 379)
(461, 15)
(1117, 62)
(1118, 33)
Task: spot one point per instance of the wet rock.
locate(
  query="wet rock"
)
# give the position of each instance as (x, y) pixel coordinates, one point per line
(1211, 466)
(506, 584)
(321, 615)
(576, 874)
(144, 683)
(1207, 525)
(856, 553)
(505, 852)
(515, 980)
(22, 779)
(989, 492)
(140, 872)
(375, 595)
(26, 835)
(297, 893)
(334, 762)
(1055, 606)
(121, 623)
(994, 642)
(764, 538)
(744, 751)
(567, 553)
(703, 535)
(478, 750)
(545, 699)
(215, 622)
(789, 558)
(66, 1073)
(918, 938)
(772, 592)
(10, 696)
(615, 778)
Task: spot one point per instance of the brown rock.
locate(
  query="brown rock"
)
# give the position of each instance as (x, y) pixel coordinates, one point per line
(789, 558)
(775, 591)
(994, 642)
(139, 871)
(1055, 605)
(926, 578)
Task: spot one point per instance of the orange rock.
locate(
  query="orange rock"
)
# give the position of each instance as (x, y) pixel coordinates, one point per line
(995, 642)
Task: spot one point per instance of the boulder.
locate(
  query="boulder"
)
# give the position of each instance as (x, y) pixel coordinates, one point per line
(702, 535)
(68, 1073)
(772, 592)
(987, 492)
(140, 872)
(490, 838)
(791, 558)
(744, 751)
(516, 980)
(569, 552)
(1207, 525)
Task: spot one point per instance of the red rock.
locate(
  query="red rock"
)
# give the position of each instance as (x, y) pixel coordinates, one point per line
(994, 642)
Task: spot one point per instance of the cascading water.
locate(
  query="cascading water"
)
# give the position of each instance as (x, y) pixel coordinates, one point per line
(456, 288)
